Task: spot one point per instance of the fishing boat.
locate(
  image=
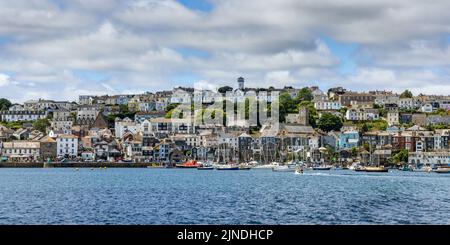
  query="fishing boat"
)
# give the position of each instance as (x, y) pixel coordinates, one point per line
(189, 164)
(283, 168)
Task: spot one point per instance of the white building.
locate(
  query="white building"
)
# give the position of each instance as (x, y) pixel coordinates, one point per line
(327, 105)
(362, 114)
(66, 145)
(126, 125)
(171, 126)
(62, 126)
(393, 118)
(409, 103)
(427, 108)
(18, 116)
(429, 158)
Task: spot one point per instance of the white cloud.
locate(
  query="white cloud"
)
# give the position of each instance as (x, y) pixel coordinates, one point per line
(145, 45)
(4, 80)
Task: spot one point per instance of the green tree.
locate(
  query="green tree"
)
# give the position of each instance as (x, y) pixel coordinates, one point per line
(4, 104)
(406, 94)
(41, 125)
(401, 156)
(304, 95)
(329, 122)
(225, 89)
(287, 105)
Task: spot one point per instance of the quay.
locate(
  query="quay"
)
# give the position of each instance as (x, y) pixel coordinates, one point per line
(74, 165)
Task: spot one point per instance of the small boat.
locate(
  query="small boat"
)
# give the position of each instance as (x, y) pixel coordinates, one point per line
(205, 168)
(380, 169)
(227, 167)
(189, 164)
(322, 168)
(298, 170)
(423, 169)
(283, 168)
(244, 167)
(442, 170)
(407, 168)
(267, 166)
(359, 169)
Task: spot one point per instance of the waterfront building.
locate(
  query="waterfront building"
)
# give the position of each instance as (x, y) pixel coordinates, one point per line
(48, 148)
(21, 150)
(67, 145)
(429, 158)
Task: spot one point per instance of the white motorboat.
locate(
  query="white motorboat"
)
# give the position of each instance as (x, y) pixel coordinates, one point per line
(267, 166)
(283, 168)
(442, 170)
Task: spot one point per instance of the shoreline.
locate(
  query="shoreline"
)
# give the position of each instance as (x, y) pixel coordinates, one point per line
(75, 165)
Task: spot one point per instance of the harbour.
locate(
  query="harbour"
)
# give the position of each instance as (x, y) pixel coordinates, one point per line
(189, 196)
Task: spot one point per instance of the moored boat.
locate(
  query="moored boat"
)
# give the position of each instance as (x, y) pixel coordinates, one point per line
(442, 170)
(322, 168)
(426, 169)
(205, 168)
(227, 167)
(267, 166)
(189, 164)
(243, 167)
(380, 169)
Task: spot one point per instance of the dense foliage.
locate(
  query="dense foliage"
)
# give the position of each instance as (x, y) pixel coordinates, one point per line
(329, 122)
(5, 104)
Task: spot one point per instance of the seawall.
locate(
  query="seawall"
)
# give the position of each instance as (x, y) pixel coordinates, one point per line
(72, 165)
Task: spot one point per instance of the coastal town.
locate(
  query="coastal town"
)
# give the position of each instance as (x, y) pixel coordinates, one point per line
(335, 127)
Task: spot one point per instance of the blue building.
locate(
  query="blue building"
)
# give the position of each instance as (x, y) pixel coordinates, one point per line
(348, 140)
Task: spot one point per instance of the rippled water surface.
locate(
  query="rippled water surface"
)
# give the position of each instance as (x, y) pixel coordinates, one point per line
(183, 196)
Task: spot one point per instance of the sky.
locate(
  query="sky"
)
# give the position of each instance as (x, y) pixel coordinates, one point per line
(56, 49)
